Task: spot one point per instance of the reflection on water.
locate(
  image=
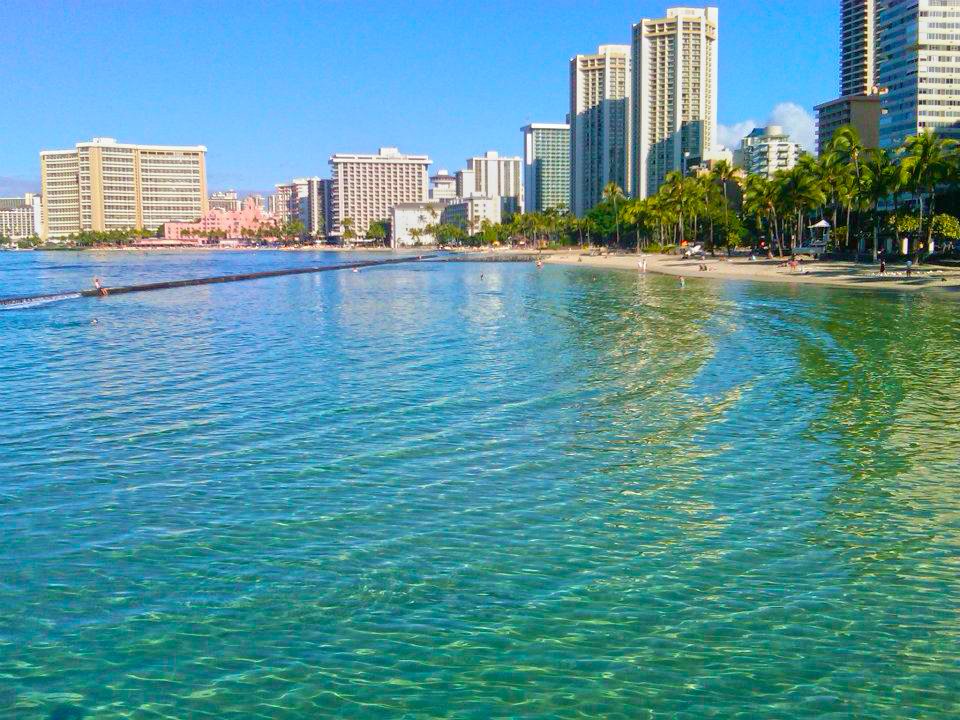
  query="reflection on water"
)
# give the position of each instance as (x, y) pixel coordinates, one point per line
(416, 492)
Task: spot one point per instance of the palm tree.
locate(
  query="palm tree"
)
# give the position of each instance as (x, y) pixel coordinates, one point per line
(611, 193)
(926, 159)
(881, 179)
(725, 174)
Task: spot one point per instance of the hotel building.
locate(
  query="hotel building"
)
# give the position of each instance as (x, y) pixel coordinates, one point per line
(303, 199)
(443, 186)
(674, 94)
(226, 200)
(767, 150)
(366, 187)
(491, 176)
(918, 68)
(409, 221)
(105, 185)
(469, 213)
(546, 166)
(20, 217)
(599, 124)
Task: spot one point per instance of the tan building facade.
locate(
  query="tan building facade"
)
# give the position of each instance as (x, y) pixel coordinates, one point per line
(104, 185)
(674, 95)
(366, 187)
(599, 124)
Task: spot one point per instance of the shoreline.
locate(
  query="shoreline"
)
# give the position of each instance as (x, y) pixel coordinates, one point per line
(830, 273)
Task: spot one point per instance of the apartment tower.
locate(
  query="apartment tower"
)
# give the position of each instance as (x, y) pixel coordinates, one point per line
(599, 124)
(366, 187)
(918, 59)
(857, 61)
(105, 185)
(546, 166)
(674, 95)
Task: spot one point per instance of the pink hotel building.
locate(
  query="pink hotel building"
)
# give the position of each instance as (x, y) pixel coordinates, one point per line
(231, 222)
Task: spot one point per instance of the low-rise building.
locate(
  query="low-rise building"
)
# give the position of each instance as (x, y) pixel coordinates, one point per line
(232, 224)
(20, 217)
(767, 150)
(860, 111)
(409, 223)
(469, 213)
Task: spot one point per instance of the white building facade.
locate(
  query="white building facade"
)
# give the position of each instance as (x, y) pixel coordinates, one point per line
(599, 124)
(366, 187)
(767, 150)
(409, 222)
(20, 217)
(918, 66)
(674, 94)
(546, 166)
(469, 213)
(443, 186)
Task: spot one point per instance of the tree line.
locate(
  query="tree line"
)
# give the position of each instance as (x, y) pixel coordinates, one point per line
(865, 194)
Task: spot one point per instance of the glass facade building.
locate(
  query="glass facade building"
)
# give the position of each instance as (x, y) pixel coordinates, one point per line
(546, 166)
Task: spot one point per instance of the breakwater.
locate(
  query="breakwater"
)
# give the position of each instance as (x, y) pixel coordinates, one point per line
(29, 300)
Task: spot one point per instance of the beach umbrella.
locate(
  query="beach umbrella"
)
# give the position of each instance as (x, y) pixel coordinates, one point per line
(820, 225)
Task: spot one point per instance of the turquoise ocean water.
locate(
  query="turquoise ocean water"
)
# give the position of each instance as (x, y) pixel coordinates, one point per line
(474, 491)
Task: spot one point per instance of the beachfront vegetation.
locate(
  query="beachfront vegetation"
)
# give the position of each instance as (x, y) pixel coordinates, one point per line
(866, 196)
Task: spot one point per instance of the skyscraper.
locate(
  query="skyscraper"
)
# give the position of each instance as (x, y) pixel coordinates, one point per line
(674, 96)
(918, 59)
(105, 185)
(857, 62)
(599, 124)
(859, 101)
(546, 166)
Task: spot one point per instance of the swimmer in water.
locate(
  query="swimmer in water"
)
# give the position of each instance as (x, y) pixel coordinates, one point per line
(683, 283)
(94, 321)
(356, 269)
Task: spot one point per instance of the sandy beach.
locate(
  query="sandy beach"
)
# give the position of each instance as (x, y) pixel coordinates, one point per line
(826, 272)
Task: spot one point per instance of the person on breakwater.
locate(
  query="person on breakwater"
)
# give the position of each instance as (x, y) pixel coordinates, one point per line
(101, 290)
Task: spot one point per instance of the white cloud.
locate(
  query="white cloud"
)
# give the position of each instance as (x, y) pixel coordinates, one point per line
(729, 136)
(796, 122)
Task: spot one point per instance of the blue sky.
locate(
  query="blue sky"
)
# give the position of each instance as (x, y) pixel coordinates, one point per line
(273, 88)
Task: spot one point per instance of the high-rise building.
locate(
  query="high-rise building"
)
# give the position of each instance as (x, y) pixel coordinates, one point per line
(767, 150)
(20, 217)
(857, 62)
(226, 200)
(918, 68)
(259, 201)
(859, 101)
(490, 175)
(105, 185)
(366, 187)
(599, 124)
(282, 202)
(303, 199)
(546, 166)
(674, 94)
(443, 186)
